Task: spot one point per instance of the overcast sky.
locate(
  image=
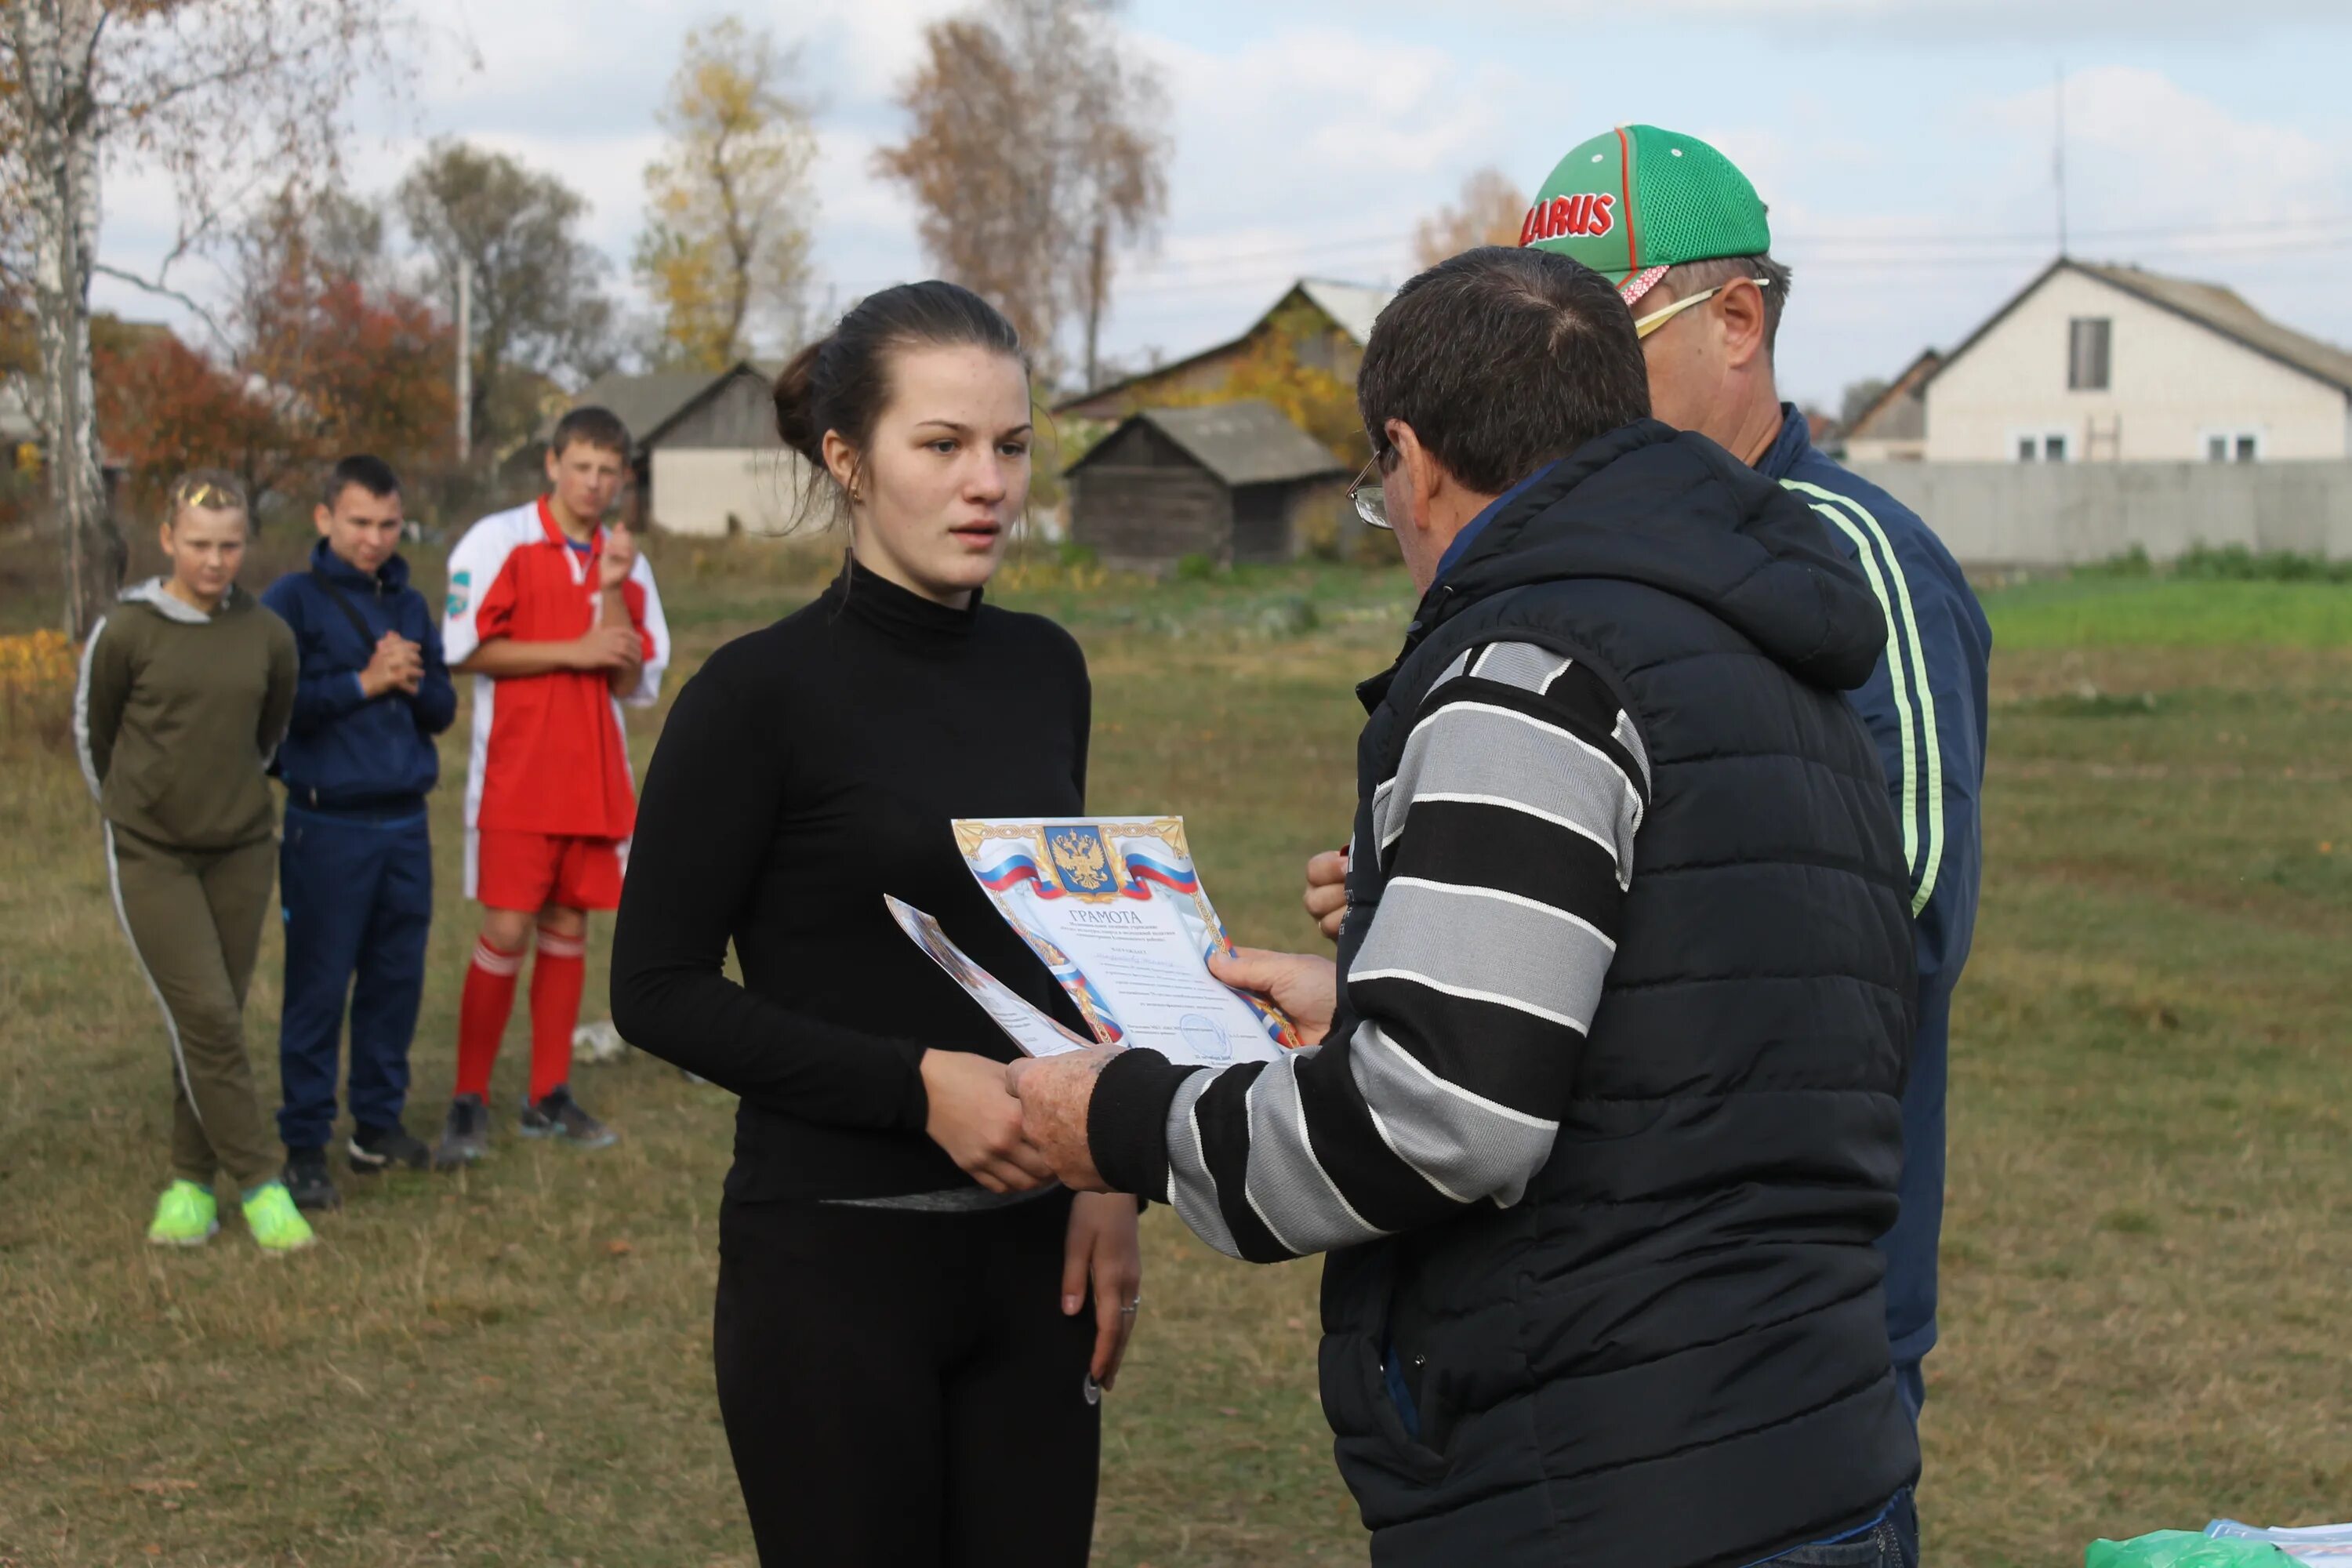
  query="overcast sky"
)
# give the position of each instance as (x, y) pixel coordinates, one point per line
(1904, 146)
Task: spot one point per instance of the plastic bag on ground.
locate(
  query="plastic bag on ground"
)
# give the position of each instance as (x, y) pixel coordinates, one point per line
(2183, 1549)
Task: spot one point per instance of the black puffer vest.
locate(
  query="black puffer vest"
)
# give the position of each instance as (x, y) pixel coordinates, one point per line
(1672, 1352)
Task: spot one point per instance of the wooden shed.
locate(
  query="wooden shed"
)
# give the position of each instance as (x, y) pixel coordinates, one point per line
(1227, 480)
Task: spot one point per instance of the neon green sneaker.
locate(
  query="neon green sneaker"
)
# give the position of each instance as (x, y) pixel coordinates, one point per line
(186, 1216)
(277, 1225)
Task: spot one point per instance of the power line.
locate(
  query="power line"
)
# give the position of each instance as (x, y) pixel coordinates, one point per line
(1238, 269)
(1849, 251)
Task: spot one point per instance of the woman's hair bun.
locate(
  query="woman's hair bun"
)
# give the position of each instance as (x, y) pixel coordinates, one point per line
(797, 420)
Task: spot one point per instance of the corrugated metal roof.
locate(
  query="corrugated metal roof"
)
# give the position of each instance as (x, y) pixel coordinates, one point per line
(2222, 309)
(1352, 305)
(1247, 443)
(646, 403)
(1900, 412)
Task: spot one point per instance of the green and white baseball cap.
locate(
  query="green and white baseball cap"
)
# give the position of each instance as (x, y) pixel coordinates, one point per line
(1634, 201)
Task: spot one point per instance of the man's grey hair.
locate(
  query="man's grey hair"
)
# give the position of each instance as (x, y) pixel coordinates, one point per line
(1693, 275)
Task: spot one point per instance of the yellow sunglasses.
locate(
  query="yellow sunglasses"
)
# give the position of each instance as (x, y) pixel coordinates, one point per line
(1644, 325)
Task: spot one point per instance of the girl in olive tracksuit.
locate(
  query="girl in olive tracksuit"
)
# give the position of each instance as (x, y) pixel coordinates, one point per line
(185, 692)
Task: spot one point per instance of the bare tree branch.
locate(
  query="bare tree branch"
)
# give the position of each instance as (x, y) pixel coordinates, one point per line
(161, 290)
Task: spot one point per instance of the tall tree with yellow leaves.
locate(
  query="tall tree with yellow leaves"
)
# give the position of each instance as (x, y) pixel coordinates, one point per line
(725, 249)
(1489, 211)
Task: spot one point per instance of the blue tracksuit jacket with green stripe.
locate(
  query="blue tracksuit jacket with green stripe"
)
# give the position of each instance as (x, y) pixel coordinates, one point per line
(1925, 705)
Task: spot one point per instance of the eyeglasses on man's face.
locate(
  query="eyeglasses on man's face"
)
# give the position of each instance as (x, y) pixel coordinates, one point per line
(1371, 502)
(1644, 325)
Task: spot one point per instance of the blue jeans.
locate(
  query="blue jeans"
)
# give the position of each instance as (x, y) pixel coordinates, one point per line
(1892, 1543)
(358, 895)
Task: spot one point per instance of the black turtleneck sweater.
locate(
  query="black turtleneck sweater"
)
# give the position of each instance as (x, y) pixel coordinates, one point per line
(806, 771)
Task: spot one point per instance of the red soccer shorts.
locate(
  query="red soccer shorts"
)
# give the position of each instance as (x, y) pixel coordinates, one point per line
(513, 869)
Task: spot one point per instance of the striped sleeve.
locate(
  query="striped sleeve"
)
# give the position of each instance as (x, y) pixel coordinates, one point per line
(1505, 841)
(99, 695)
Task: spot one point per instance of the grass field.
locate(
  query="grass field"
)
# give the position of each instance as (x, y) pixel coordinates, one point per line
(2150, 1218)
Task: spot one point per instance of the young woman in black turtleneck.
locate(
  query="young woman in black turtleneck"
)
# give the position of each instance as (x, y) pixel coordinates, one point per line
(907, 1361)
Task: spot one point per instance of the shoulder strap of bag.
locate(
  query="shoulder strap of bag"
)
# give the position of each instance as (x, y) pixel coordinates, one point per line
(335, 591)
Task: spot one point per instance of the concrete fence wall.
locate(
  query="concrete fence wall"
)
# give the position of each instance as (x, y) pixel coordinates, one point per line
(2074, 514)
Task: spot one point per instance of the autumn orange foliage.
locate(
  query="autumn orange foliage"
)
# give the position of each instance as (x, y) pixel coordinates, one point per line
(325, 367)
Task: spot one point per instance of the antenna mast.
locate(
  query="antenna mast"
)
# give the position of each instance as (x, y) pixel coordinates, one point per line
(465, 362)
(2058, 151)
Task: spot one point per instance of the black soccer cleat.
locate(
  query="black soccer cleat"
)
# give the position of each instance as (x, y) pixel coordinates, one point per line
(464, 1136)
(374, 1149)
(308, 1182)
(559, 1116)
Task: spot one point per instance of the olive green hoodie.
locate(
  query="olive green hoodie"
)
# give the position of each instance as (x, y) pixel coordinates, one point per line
(179, 712)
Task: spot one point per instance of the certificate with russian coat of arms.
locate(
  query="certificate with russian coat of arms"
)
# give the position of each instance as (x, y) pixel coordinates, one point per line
(1035, 1032)
(1114, 910)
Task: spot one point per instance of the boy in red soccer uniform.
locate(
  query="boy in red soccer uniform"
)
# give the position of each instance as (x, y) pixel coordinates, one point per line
(557, 619)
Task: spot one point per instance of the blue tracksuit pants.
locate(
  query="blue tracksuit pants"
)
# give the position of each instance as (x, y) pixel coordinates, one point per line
(357, 888)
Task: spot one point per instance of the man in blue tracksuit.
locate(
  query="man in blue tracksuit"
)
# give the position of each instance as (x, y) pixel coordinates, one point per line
(355, 873)
(1681, 232)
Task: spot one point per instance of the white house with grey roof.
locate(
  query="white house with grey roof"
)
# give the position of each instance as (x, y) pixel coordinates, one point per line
(706, 459)
(2101, 363)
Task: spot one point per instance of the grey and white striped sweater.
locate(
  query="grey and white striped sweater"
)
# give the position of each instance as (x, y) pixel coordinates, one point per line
(1506, 840)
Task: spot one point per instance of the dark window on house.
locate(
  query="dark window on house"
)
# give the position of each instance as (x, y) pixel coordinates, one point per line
(2086, 354)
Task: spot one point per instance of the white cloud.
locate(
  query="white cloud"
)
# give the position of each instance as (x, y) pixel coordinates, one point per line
(1997, 22)
(1308, 153)
(2142, 151)
(1311, 148)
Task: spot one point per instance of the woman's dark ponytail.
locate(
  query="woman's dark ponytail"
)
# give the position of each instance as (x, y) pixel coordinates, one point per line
(842, 382)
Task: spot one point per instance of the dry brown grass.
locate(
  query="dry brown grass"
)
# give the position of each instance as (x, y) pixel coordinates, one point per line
(2147, 1247)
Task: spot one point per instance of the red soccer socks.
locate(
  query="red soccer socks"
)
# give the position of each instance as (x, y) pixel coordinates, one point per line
(556, 979)
(482, 1012)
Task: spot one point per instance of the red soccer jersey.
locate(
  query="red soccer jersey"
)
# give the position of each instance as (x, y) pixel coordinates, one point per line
(548, 754)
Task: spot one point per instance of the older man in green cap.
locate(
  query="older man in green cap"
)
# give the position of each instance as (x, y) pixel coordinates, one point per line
(1681, 232)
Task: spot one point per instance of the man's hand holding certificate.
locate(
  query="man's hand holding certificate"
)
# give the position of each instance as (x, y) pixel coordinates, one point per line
(1115, 910)
(1056, 1095)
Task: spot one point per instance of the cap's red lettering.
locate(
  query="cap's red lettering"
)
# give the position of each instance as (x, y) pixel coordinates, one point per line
(1558, 218)
(1528, 225)
(1601, 220)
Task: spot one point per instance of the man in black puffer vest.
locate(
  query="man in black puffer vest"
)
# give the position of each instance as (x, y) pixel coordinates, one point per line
(1604, 1120)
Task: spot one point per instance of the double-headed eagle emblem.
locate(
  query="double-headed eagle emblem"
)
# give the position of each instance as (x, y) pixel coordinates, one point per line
(1081, 859)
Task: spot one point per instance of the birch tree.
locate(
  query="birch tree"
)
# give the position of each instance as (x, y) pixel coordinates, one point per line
(222, 98)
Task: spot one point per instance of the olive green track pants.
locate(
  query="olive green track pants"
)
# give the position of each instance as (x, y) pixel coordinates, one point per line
(193, 918)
